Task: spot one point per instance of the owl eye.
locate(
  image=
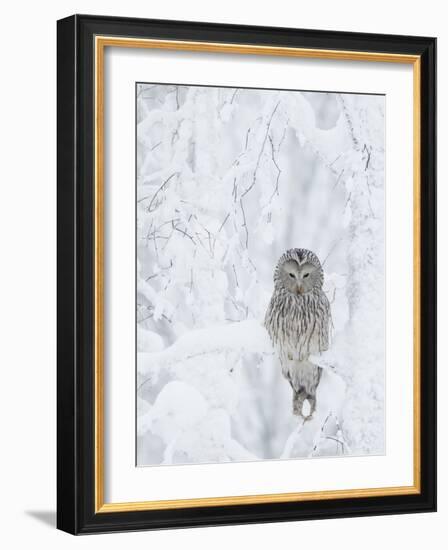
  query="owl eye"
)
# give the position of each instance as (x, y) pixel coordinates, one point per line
(292, 275)
(306, 275)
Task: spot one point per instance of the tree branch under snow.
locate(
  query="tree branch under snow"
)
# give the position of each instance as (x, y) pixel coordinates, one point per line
(248, 336)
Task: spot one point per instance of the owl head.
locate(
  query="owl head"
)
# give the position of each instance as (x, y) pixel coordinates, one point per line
(299, 271)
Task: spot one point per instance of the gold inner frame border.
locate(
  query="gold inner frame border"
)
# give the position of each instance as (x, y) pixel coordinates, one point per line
(100, 43)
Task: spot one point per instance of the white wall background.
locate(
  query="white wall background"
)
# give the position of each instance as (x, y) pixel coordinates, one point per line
(27, 288)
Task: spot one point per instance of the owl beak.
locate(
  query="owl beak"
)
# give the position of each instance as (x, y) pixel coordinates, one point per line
(300, 290)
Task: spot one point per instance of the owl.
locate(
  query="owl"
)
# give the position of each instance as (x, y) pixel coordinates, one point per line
(298, 321)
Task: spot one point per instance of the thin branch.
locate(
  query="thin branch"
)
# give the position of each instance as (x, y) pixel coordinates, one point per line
(235, 304)
(278, 169)
(167, 223)
(155, 245)
(155, 146)
(234, 190)
(148, 209)
(349, 198)
(185, 234)
(268, 126)
(151, 315)
(338, 179)
(223, 223)
(244, 224)
(289, 445)
(322, 428)
(247, 139)
(236, 278)
(145, 89)
(186, 357)
(282, 139)
(349, 123)
(201, 243)
(338, 157)
(368, 151)
(333, 247)
(337, 440)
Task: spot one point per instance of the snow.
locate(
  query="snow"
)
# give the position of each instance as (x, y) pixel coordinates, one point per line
(246, 336)
(227, 180)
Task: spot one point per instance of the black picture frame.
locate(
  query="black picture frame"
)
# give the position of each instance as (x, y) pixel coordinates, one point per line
(76, 512)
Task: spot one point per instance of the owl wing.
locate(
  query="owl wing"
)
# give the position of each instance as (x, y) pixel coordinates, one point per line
(322, 331)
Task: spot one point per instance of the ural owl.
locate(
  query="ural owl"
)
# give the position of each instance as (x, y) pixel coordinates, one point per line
(298, 321)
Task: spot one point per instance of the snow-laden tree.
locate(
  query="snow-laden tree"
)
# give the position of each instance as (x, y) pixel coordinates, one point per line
(227, 180)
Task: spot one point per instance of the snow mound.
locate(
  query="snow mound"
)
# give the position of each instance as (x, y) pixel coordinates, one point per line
(248, 336)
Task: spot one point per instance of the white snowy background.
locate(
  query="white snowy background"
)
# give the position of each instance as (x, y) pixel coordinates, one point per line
(227, 180)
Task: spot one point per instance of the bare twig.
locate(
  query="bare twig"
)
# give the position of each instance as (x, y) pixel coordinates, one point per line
(349, 198)
(338, 179)
(185, 234)
(157, 192)
(202, 244)
(234, 190)
(349, 123)
(337, 441)
(145, 89)
(332, 248)
(277, 167)
(368, 185)
(282, 139)
(289, 445)
(223, 223)
(247, 139)
(236, 278)
(152, 315)
(260, 154)
(167, 223)
(368, 151)
(244, 224)
(235, 304)
(155, 146)
(322, 428)
(338, 157)
(155, 245)
(233, 96)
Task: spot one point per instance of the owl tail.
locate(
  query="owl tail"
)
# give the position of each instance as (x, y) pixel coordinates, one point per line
(298, 401)
(302, 375)
(305, 390)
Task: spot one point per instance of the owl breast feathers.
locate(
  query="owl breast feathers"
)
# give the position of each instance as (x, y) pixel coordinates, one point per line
(298, 318)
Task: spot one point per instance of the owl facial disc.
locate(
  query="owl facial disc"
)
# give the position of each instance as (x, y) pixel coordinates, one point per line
(298, 279)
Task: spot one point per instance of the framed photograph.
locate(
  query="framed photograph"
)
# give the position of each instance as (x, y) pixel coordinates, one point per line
(246, 274)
